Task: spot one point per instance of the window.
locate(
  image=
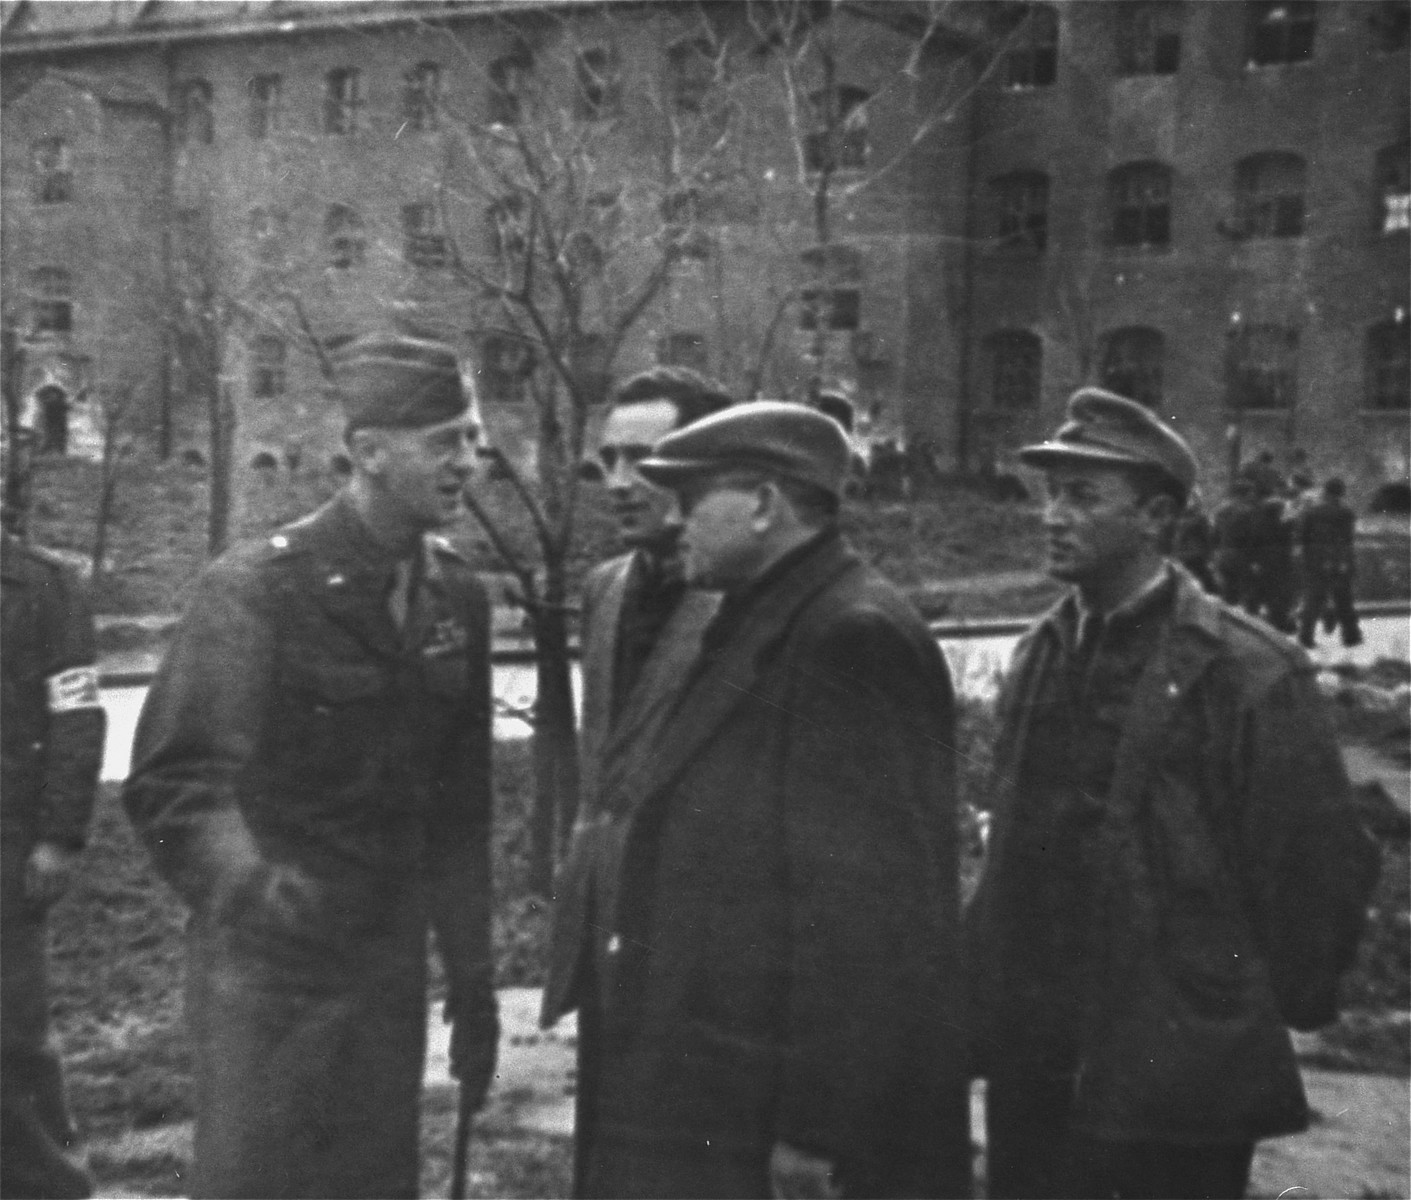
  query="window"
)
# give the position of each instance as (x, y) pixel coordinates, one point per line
(509, 86)
(693, 66)
(423, 243)
(1139, 204)
(1389, 365)
(267, 369)
(267, 229)
(508, 225)
(839, 138)
(1394, 188)
(1016, 359)
(1263, 367)
(343, 231)
(1279, 31)
(52, 301)
(1391, 24)
(832, 308)
(599, 84)
(421, 97)
(264, 105)
(1149, 37)
(1269, 196)
(53, 172)
(342, 97)
(683, 350)
(1030, 47)
(506, 364)
(193, 113)
(1021, 210)
(1131, 364)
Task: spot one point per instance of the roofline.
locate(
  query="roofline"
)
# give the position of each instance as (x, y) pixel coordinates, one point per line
(33, 46)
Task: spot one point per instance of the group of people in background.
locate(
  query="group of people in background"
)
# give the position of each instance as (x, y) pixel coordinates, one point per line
(758, 918)
(1279, 547)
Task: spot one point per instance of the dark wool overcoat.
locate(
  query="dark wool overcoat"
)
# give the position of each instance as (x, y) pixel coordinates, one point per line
(291, 715)
(781, 948)
(1233, 874)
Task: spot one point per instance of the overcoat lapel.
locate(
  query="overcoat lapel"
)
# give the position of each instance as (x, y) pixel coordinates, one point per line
(348, 584)
(723, 684)
(599, 658)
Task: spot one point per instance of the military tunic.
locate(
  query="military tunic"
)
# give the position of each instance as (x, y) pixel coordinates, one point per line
(315, 784)
(52, 726)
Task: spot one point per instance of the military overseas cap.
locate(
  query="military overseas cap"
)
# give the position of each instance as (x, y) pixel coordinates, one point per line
(1103, 427)
(775, 436)
(400, 382)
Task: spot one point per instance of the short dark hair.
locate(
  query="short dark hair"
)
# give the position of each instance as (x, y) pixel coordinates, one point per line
(1151, 481)
(695, 395)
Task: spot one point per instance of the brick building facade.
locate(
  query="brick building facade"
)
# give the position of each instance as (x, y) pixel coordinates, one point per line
(1202, 204)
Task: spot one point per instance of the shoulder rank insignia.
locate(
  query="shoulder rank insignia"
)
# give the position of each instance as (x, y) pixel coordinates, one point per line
(74, 689)
(448, 636)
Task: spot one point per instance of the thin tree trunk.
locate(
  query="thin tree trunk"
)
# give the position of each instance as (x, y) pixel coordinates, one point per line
(555, 752)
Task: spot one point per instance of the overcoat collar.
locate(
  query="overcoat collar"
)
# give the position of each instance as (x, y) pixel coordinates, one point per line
(723, 683)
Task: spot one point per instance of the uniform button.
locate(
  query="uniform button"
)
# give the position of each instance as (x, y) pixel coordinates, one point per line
(279, 542)
(615, 944)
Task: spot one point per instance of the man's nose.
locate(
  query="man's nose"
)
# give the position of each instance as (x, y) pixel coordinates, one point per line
(1055, 513)
(620, 476)
(466, 454)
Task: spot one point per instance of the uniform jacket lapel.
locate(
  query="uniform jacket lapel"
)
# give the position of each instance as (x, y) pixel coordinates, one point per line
(351, 576)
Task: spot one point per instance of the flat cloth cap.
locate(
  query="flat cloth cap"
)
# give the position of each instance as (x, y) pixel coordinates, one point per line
(399, 382)
(1103, 427)
(782, 438)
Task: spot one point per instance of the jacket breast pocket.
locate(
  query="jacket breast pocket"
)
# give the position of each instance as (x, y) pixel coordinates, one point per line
(333, 713)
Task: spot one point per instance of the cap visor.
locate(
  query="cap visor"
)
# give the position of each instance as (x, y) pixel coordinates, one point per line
(1047, 454)
(667, 471)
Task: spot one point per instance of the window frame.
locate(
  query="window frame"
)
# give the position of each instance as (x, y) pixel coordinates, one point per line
(51, 302)
(1266, 205)
(509, 79)
(1024, 353)
(1030, 60)
(421, 97)
(1387, 375)
(1020, 224)
(1140, 222)
(844, 307)
(345, 237)
(1135, 352)
(342, 100)
(1296, 39)
(505, 382)
(1141, 28)
(1252, 367)
(693, 69)
(598, 89)
(266, 105)
(684, 348)
(269, 367)
(52, 166)
(850, 148)
(195, 113)
(1392, 175)
(425, 246)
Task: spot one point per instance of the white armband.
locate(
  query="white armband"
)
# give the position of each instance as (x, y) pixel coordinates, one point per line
(74, 689)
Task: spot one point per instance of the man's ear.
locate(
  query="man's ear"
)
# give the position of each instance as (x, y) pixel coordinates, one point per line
(367, 450)
(1160, 513)
(768, 506)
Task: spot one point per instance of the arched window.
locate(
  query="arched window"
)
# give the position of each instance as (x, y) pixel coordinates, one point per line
(1029, 46)
(53, 172)
(1139, 204)
(1269, 195)
(1149, 37)
(1393, 172)
(51, 291)
(1132, 361)
(1020, 202)
(194, 120)
(1015, 358)
(421, 97)
(267, 367)
(343, 231)
(509, 86)
(838, 140)
(1388, 379)
(1263, 367)
(342, 97)
(1279, 31)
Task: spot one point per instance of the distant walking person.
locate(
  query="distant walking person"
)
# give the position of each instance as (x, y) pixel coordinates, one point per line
(1175, 871)
(51, 727)
(1234, 528)
(641, 631)
(1325, 536)
(311, 773)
